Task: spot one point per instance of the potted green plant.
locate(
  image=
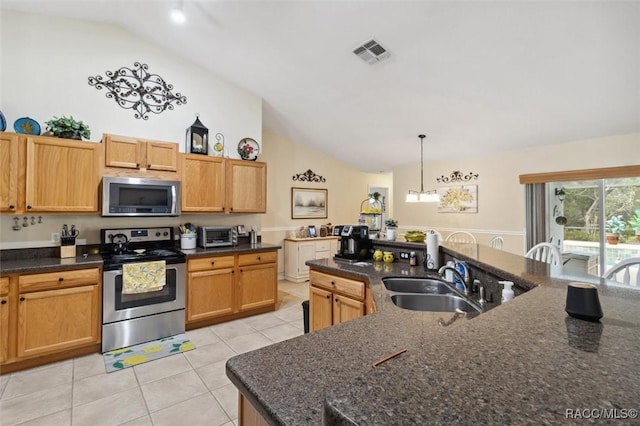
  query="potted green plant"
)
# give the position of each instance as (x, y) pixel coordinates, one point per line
(68, 128)
(614, 227)
(391, 225)
(635, 224)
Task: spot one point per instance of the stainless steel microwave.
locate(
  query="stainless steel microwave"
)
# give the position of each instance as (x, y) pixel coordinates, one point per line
(124, 196)
(217, 236)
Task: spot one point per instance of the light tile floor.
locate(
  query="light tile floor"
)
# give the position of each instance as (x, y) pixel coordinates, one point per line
(189, 388)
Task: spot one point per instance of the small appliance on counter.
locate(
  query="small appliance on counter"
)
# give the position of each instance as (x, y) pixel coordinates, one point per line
(217, 236)
(355, 244)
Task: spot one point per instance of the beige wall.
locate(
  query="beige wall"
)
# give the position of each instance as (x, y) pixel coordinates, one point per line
(500, 195)
(347, 187)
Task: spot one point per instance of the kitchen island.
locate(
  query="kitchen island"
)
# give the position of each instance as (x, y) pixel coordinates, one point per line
(525, 361)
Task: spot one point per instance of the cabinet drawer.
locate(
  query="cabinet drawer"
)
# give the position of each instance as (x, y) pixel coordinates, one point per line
(54, 280)
(343, 285)
(322, 245)
(257, 258)
(208, 263)
(4, 286)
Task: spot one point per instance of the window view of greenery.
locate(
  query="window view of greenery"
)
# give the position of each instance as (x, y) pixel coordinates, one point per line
(622, 211)
(582, 223)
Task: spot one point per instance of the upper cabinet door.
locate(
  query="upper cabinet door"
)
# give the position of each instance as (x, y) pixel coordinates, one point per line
(8, 172)
(122, 151)
(246, 186)
(203, 184)
(161, 156)
(62, 175)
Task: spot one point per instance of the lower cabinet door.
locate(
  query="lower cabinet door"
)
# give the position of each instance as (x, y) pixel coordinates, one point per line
(345, 309)
(320, 308)
(4, 329)
(257, 285)
(210, 294)
(54, 320)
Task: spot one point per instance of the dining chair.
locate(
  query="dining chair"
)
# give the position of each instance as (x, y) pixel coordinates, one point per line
(496, 242)
(461, 237)
(545, 252)
(625, 266)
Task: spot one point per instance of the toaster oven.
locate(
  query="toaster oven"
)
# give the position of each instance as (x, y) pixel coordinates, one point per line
(217, 236)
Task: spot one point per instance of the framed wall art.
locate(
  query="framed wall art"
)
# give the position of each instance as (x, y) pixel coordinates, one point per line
(308, 203)
(458, 199)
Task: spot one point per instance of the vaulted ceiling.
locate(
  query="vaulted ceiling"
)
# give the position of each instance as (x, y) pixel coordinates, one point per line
(477, 77)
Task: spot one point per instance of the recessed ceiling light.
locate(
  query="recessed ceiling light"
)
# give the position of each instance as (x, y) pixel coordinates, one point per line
(177, 14)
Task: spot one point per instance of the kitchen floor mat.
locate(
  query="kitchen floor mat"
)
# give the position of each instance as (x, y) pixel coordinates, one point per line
(119, 359)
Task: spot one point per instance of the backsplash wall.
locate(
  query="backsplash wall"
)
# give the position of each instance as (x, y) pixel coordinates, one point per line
(39, 235)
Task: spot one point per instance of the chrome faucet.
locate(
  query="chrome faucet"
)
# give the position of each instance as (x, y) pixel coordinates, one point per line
(457, 273)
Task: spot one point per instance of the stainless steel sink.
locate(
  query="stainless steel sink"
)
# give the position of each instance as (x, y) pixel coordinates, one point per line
(433, 302)
(417, 285)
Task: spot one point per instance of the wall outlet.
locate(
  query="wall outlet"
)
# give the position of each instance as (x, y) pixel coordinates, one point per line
(55, 237)
(404, 255)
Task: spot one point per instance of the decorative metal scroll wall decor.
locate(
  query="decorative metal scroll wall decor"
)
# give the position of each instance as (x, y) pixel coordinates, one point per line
(308, 176)
(457, 176)
(138, 90)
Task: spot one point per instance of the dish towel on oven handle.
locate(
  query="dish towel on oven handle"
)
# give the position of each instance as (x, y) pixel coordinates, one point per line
(143, 277)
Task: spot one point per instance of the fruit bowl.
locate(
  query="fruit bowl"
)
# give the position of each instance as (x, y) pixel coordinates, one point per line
(415, 236)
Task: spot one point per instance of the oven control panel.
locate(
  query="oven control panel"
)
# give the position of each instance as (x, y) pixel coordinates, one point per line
(140, 235)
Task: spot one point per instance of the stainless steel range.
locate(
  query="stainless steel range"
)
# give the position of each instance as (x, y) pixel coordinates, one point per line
(138, 317)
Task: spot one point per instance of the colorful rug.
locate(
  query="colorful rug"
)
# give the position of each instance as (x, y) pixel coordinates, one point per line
(119, 359)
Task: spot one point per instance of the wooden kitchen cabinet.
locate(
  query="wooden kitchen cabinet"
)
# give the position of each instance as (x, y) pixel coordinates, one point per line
(299, 250)
(257, 280)
(210, 287)
(140, 154)
(334, 299)
(58, 311)
(229, 286)
(9, 161)
(4, 319)
(62, 175)
(203, 184)
(246, 186)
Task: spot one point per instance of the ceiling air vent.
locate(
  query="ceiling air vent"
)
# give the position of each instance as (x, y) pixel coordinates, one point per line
(372, 52)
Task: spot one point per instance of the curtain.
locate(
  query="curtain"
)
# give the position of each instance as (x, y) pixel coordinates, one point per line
(535, 212)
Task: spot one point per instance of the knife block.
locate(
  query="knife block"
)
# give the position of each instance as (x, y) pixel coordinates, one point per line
(67, 247)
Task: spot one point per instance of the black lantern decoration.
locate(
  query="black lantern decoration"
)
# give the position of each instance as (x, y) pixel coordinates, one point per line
(198, 137)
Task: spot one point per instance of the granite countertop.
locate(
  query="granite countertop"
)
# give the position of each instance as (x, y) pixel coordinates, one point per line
(48, 259)
(240, 248)
(524, 361)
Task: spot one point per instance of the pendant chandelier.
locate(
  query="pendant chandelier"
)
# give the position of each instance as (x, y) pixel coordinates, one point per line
(422, 196)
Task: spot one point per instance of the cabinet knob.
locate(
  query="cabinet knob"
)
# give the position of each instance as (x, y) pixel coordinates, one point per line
(22, 299)
(137, 164)
(259, 258)
(230, 209)
(148, 166)
(12, 207)
(337, 300)
(213, 263)
(61, 279)
(29, 207)
(222, 208)
(333, 283)
(4, 302)
(328, 296)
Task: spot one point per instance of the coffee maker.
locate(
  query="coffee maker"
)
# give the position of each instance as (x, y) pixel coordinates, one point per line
(355, 244)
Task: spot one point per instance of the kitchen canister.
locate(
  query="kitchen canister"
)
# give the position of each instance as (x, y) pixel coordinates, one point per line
(188, 241)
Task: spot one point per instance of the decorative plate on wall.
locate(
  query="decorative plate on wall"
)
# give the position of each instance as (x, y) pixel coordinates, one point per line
(248, 149)
(27, 126)
(3, 122)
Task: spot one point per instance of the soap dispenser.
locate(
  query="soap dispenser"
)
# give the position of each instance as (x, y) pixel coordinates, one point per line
(507, 291)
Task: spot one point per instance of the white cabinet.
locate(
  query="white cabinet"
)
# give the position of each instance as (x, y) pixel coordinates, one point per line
(299, 250)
